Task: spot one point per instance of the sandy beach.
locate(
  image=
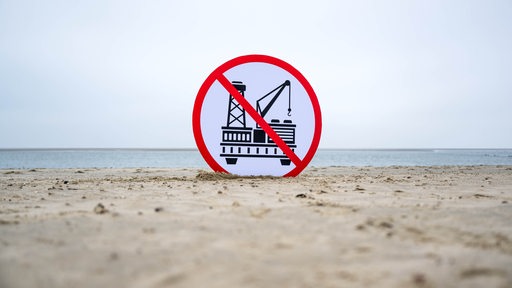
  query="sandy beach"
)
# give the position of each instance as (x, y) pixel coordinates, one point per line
(328, 227)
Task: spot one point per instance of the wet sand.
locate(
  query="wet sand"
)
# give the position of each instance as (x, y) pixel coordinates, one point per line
(329, 227)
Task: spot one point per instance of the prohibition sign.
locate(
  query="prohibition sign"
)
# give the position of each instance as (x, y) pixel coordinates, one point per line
(225, 81)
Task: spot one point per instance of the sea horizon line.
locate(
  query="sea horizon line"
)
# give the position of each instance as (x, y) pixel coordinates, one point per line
(196, 149)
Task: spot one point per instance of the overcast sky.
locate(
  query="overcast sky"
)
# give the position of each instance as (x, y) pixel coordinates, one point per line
(388, 74)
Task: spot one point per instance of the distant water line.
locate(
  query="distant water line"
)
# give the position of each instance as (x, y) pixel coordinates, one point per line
(191, 158)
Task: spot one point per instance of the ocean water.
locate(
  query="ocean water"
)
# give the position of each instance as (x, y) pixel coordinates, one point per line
(176, 158)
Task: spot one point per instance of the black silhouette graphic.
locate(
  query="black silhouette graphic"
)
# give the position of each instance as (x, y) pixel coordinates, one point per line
(238, 140)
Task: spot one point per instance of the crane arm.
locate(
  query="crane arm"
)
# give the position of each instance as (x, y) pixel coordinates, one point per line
(279, 90)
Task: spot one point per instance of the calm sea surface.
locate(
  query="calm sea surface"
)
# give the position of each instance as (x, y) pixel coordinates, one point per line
(129, 158)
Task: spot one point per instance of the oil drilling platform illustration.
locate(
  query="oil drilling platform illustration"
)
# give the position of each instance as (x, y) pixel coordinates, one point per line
(239, 140)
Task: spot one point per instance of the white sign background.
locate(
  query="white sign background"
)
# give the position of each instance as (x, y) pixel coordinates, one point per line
(259, 78)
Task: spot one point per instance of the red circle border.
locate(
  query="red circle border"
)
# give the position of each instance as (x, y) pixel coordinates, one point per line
(201, 94)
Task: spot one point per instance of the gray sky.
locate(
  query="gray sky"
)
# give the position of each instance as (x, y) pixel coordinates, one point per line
(388, 74)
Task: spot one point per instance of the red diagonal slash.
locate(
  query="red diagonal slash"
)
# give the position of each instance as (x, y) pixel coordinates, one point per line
(257, 117)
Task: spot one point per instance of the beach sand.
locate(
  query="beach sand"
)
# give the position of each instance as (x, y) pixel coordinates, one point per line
(328, 227)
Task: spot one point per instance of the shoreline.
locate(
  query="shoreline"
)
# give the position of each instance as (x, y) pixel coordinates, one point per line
(161, 158)
(396, 226)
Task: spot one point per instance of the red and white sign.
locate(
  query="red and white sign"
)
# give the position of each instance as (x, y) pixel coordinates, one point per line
(257, 115)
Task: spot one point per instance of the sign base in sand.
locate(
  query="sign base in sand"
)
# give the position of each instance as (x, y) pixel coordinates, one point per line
(257, 115)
